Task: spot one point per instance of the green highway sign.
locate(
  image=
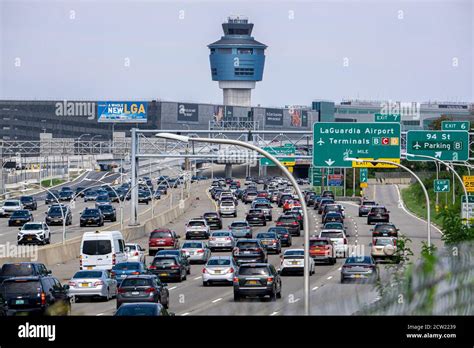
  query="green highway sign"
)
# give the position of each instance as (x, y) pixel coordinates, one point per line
(335, 141)
(444, 145)
(285, 154)
(387, 118)
(441, 185)
(456, 125)
(316, 175)
(471, 199)
(364, 174)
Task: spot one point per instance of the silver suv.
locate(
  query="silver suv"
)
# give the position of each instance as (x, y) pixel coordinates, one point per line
(227, 208)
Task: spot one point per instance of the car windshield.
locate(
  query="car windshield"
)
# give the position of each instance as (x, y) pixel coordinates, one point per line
(17, 269)
(56, 210)
(358, 259)
(369, 203)
(11, 204)
(210, 215)
(292, 253)
(136, 311)
(255, 211)
(254, 271)
(91, 212)
(126, 266)
(91, 193)
(22, 286)
(385, 229)
(65, 193)
(87, 274)
(218, 262)
(196, 223)
(262, 205)
(21, 213)
(97, 247)
(220, 234)
(247, 245)
(160, 234)
(326, 201)
(334, 225)
(333, 215)
(106, 208)
(191, 245)
(319, 242)
(227, 204)
(383, 241)
(30, 227)
(164, 261)
(103, 198)
(266, 235)
(131, 247)
(378, 210)
(239, 224)
(286, 219)
(279, 230)
(332, 234)
(135, 282)
(26, 199)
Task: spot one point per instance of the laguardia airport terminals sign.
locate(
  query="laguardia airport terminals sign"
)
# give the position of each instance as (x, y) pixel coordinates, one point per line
(335, 141)
(122, 112)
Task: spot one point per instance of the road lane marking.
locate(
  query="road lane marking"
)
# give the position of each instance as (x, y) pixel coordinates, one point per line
(197, 278)
(184, 314)
(329, 278)
(217, 300)
(174, 287)
(98, 315)
(339, 268)
(315, 288)
(296, 300)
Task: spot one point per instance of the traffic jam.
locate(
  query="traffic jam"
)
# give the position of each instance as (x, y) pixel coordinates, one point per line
(253, 249)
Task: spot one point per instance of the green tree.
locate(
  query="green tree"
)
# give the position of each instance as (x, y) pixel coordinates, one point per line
(454, 230)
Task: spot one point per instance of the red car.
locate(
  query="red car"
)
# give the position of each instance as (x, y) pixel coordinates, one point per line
(162, 238)
(322, 249)
(263, 194)
(290, 203)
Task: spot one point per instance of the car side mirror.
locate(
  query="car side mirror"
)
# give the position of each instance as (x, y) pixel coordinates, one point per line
(49, 272)
(279, 271)
(178, 236)
(46, 212)
(66, 287)
(19, 228)
(164, 284)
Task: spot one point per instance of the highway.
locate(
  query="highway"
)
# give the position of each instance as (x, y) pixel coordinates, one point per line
(328, 295)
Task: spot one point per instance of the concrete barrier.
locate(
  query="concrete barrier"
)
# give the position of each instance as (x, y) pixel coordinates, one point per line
(61, 253)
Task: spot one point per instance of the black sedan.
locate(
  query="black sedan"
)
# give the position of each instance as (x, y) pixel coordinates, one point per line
(66, 195)
(20, 217)
(91, 216)
(142, 310)
(284, 235)
(168, 267)
(55, 214)
(333, 217)
(213, 220)
(144, 196)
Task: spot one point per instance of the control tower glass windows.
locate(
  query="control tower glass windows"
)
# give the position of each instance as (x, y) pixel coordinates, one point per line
(224, 50)
(245, 51)
(238, 31)
(213, 50)
(259, 52)
(243, 71)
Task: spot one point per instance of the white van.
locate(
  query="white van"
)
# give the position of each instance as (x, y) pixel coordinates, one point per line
(102, 250)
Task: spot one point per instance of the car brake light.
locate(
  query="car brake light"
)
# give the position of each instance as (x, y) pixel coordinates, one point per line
(270, 279)
(152, 267)
(135, 273)
(112, 273)
(150, 290)
(121, 290)
(295, 223)
(204, 270)
(212, 238)
(236, 280)
(200, 251)
(100, 282)
(136, 253)
(231, 270)
(227, 238)
(113, 259)
(72, 283)
(43, 298)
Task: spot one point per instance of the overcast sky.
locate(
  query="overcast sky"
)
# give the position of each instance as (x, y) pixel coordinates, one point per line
(143, 50)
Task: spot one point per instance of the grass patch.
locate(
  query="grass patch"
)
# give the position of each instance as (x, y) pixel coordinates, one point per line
(50, 183)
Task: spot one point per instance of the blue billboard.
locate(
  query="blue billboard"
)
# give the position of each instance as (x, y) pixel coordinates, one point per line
(122, 112)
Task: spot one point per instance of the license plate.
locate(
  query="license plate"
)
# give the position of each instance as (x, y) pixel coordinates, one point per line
(247, 252)
(135, 293)
(217, 271)
(17, 221)
(57, 220)
(30, 238)
(89, 220)
(163, 274)
(294, 263)
(89, 267)
(20, 302)
(357, 276)
(85, 285)
(252, 282)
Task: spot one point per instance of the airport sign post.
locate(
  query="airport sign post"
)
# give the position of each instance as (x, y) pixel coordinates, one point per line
(456, 125)
(443, 145)
(285, 154)
(387, 118)
(469, 205)
(441, 185)
(364, 175)
(468, 181)
(335, 141)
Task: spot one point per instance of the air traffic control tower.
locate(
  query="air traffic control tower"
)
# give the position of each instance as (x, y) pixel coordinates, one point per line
(237, 61)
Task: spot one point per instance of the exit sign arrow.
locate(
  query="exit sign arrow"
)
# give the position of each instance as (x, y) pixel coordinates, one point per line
(329, 162)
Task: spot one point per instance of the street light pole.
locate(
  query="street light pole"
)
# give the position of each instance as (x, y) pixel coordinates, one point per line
(289, 177)
(427, 197)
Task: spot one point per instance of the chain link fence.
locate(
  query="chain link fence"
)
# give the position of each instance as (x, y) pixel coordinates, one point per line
(443, 285)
